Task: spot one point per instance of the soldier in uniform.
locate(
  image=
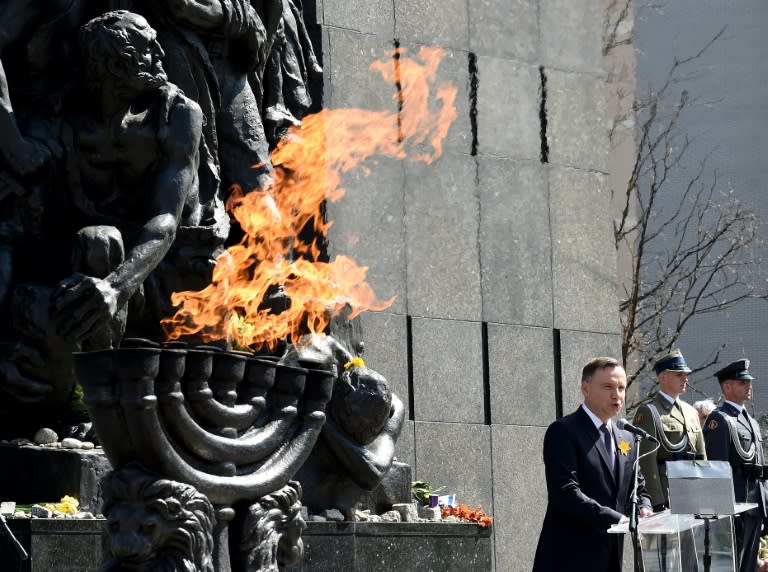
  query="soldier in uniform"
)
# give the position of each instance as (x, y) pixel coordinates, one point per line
(732, 435)
(673, 422)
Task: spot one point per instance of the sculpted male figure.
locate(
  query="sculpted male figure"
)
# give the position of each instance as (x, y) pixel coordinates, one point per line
(128, 218)
(133, 160)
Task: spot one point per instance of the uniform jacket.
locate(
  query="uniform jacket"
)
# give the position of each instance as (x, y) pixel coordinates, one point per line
(584, 497)
(675, 422)
(721, 448)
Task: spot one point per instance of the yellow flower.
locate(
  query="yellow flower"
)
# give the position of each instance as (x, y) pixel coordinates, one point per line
(355, 362)
(67, 505)
(624, 447)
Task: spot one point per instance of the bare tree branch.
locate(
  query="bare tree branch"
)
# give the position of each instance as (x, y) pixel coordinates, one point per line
(695, 249)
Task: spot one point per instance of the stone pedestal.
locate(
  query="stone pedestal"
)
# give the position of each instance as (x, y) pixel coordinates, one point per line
(333, 546)
(34, 474)
(75, 545)
(63, 545)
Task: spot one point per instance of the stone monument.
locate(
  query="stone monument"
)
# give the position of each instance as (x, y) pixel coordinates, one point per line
(126, 127)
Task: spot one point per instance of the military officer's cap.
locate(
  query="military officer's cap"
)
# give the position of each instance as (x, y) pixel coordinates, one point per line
(737, 370)
(673, 361)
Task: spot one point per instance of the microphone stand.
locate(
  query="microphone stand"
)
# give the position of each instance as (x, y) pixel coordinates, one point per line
(633, 511)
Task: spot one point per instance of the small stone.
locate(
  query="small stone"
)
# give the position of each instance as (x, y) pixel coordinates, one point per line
(87, 445)
(391, 516)
(317, 518)
(83, 515)
(430, 512)
(71, 443)
(333, 514)
(21, 442)
(362, 515)
(304, 512)
(374, 518)
(20, 514)
(408, 512)
(451, 518)
(7, 508)
(46, 436)
(41, 512)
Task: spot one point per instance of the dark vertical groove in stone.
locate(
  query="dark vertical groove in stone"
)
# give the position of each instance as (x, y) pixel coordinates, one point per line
(543, 115)
(558, 373)
(486, 376)
(409, 363)
(474, 81)
(399, 87)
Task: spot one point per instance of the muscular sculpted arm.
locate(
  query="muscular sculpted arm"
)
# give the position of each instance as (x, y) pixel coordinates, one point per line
(367, 464)
(563, 486)
(204, 15)
(83, 303)
(17, 18)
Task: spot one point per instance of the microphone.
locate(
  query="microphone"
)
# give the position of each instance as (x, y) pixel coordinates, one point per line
(624, 424)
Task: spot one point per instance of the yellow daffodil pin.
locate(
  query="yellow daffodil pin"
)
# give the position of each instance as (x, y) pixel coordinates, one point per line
(624, 447)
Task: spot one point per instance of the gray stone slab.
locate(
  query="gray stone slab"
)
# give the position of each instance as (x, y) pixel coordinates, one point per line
(442, 217)
(348, 80)
(452, 71)
(395, 546)
(368, 227)
(515, 244)
(26, 475)
(576, 349)
(447, 371)
(424, 551)
(577, 120)
(583, 252)
(505, 28)
(572, 34)
(55, 544)
(405, 450)
(386, 349)
(522, 375)
(508, 122)
(519, 495)
(367, 16)
(457, 456)
(433, 22)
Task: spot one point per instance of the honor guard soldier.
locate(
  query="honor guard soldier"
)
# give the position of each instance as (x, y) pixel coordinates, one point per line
(732, 435)
(674, 423)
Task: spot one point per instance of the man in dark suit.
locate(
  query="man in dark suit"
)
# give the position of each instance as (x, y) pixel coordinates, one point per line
(588, 463)
(731, 434)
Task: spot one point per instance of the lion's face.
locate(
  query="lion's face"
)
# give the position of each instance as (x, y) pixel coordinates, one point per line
(135, 532)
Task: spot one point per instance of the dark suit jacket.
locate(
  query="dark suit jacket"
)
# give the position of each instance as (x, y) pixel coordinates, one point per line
(584, 497)
(720, 448)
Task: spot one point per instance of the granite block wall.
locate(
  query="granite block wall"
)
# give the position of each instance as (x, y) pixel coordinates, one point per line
(499, 253)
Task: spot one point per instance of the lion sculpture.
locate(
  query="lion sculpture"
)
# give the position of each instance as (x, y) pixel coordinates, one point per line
(155, 524)
(271, 536)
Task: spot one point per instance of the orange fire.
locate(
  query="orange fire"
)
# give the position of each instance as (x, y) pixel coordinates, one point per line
(309, 163)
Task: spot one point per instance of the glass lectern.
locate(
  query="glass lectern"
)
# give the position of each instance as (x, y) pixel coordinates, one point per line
(696, 534)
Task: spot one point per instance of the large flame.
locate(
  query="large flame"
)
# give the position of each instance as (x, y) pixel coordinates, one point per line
(309, 163)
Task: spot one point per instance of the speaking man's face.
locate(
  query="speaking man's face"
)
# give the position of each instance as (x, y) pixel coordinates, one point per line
(604, 392)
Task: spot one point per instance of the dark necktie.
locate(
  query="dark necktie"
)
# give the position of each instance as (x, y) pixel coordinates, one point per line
(745, 420)
(608, 440)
